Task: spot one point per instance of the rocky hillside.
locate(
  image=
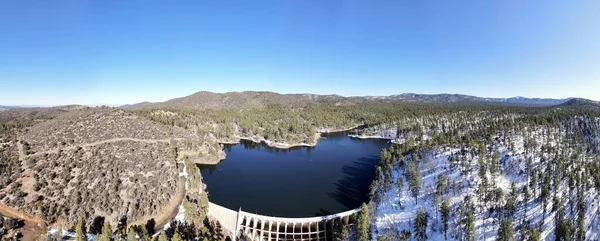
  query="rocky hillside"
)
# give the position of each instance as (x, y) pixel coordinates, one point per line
(35, 113)
(88, 162)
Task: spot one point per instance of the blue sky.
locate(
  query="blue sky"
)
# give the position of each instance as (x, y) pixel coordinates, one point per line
(116, 52)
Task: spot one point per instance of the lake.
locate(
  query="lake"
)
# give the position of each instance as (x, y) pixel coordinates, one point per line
(332, 177)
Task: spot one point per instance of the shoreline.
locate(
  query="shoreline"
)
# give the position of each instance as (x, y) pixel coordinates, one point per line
(390, 139)
(210, 160)
(339, 130)
(283, 145)
(370, 137)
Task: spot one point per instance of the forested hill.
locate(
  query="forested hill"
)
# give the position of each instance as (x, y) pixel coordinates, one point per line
(260, 99)
(243, 100)
(581, 103)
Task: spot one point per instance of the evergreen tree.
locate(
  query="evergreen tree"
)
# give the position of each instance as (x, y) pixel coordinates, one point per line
(218, 232)
(414, 182)
(80, 230)
(505, 232)
(421, 225)
(436, 200)
(563, 227)
(385, 155)
(401, 161)
(545, 192)
(106, 234)
(498, 197)
(580, 215)
(162, 236)
(510, 201)
(445, 213)
(469, 219)
(399, 184)
(405, 235)
(495, 164)
(342, 233)
(483, 191)
(555, 203)
(441, 184)
(526, 197)
(144, 234)
(345, 234)
(364, 223)
(388, 172)
(534, 235)
(131, 235)
(176, 236)
(533, 184)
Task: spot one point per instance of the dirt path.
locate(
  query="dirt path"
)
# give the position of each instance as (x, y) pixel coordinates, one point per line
(169, 211)
(34, 227)
(22, 154)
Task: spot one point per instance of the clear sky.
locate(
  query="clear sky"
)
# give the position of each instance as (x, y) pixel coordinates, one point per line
(117, 52)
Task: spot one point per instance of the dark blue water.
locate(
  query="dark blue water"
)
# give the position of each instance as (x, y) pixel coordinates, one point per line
(332, 177)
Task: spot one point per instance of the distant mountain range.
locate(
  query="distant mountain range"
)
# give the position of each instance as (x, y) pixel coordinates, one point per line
(260, 99)
(33, 113)
(457, 98)
(205, 100)
(4, 108)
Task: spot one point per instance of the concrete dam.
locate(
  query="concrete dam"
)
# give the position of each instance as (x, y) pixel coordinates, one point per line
(267, 228)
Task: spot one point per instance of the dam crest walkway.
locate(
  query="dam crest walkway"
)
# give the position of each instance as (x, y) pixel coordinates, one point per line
(262, 228)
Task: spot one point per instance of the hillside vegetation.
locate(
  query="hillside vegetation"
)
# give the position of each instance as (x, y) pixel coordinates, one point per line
(204, 100)
(301, 125)
(92, 162)
(247, 100)
(500, 167)
(526, 176)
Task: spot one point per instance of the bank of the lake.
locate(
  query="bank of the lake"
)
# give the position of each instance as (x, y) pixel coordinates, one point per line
(286, 145)
(331, 177)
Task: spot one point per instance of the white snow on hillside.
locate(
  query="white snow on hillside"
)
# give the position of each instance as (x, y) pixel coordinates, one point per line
(397, 210)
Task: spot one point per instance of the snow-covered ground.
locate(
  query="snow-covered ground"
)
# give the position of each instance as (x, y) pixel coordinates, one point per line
(396, 210)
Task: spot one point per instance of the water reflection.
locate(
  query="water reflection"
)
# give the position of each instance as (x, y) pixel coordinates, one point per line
(332, 177)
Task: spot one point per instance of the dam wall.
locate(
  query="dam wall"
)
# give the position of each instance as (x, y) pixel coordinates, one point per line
(262, 228)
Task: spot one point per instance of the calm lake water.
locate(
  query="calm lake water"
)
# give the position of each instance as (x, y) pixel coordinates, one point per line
(332, 177)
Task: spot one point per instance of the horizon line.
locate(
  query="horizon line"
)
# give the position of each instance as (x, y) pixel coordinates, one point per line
(281, 93)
